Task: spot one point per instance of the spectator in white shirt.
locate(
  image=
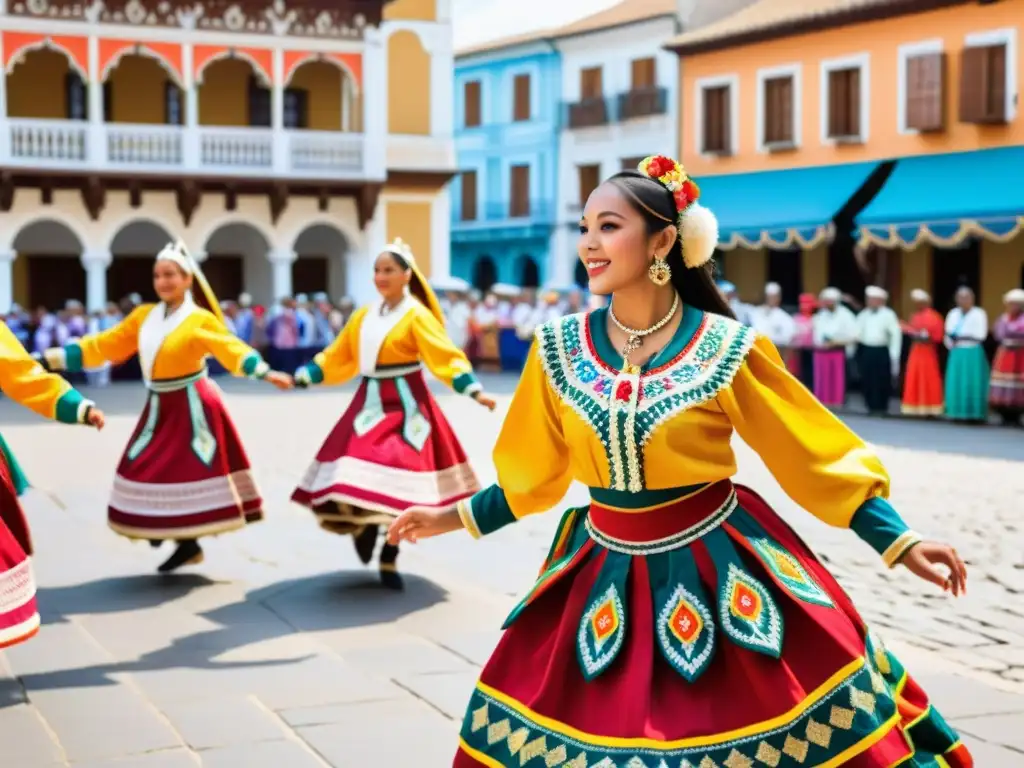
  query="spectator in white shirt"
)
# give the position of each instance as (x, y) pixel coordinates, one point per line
(879, 342)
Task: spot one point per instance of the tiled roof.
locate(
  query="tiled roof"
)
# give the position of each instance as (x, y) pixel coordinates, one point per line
(625, 12)
(781, 15)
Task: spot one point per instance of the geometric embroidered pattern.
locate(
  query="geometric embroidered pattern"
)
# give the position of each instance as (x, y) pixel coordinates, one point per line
(204, 444)
(844, 716)
(602, 631)
(747, 613)
(686, 633)
(591, 388)
(790, 574)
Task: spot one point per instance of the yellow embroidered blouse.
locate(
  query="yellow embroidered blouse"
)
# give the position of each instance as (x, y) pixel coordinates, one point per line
(170, 347)
(370, 343)
(574, 415)
(23, 380)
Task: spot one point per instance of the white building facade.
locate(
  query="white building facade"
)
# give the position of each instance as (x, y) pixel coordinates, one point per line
(619, 94)
(272, 138)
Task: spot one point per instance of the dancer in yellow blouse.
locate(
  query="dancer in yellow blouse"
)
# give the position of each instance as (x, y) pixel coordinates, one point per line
(678, 620)
(24, 381)
(184, 473)
(393, 447)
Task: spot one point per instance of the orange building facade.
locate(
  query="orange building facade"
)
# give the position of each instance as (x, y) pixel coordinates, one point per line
(831, 133)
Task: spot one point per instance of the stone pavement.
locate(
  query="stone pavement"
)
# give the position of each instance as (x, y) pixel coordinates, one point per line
(281, 650)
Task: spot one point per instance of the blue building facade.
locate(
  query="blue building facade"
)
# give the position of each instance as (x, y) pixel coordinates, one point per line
(506, 139)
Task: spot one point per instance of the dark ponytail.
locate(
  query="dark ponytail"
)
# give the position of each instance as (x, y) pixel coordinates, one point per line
(696, 287)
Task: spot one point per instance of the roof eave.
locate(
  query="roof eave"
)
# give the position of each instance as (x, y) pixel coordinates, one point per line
(814, 24)
(610, 27)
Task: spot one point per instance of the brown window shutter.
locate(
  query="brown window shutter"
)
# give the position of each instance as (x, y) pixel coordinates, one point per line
(716, 119)
(853, 115)
(725, 129)
(590, 177)
(521, 105)
(630, 163)
(644, 73)
(995, 84)
(520, 192)
(972, 76)
(926, 92)
(469, 196)
(778, 98)
(591, 86)
(471, 99)
(836, 103)
(786, 105)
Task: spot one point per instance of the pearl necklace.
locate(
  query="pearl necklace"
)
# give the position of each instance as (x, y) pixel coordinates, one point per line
(636, 336)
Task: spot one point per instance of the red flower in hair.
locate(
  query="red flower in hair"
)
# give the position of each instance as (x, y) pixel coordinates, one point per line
(682, 198)
(691, 189)
(660, 165)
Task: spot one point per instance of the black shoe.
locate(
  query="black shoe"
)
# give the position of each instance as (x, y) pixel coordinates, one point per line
(188, 553)
(389, 575)
(156, 543)
(365, 541)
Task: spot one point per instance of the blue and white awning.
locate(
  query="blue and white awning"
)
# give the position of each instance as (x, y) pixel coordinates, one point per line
(945, 199)
(781, 209)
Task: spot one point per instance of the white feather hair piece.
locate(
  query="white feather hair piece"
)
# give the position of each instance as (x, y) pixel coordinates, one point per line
(698, 233)
(177, 253)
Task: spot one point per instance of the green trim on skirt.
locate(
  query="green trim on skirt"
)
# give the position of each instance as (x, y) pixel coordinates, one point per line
(967, 376)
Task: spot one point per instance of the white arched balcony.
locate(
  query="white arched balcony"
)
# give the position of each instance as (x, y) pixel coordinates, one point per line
(192, 110)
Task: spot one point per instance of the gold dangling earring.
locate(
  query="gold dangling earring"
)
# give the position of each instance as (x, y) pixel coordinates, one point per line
(659, 272)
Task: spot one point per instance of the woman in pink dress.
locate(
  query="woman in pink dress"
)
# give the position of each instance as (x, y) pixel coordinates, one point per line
(1006, 392)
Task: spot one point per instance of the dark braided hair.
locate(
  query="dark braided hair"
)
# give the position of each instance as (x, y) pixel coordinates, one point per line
(696, 286)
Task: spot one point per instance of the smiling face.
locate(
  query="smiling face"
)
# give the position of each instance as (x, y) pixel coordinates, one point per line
(390, 277)
(614, 243)
(170, 281)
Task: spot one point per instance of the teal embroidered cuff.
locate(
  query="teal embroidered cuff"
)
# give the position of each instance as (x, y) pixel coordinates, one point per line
(486, 512)
(880, 525)
(68, 358)
(466, 384)
(309, 374)
(71, 408)
(254, 366)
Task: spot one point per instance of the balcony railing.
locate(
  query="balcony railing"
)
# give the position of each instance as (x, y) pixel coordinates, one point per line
(642, 102)
(588, 113)
(539, 212)
(75, 145)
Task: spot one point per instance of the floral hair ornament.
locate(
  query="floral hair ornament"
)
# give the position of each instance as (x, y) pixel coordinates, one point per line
(698, 227)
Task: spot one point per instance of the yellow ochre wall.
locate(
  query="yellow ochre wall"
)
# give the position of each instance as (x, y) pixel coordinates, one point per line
(1001, 265)
(137, 90)
(35, 88)
(414, 10)
(224, 93)
(408, 85)
(411, 222)
(881, 40)
(322, 81)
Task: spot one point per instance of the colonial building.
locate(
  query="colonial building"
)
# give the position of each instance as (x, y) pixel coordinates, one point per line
(618, 106)
(506, 138)
(285, 142)
(845, 143)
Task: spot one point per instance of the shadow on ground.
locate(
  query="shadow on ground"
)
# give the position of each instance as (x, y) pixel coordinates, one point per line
(329, 601)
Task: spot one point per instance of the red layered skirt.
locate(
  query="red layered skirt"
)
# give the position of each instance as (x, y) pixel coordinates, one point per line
(19, 617)
(184, 473)
(392, 449)
(701, 632)
(923, 393)
(1007, 385)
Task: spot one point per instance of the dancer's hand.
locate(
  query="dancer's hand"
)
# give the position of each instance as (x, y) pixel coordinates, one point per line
(487, 401)
(280, 380)
(95, 418)
(423, 522)
(923, 560)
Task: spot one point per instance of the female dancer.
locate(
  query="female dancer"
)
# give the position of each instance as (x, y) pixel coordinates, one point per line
(393, 447)
(1006, 395)
(184, 474)
(967, 371)
(922, 386)
(24, 381)
(654, 636)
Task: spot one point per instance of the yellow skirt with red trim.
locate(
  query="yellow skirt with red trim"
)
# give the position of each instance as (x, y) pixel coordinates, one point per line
(702, 633)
